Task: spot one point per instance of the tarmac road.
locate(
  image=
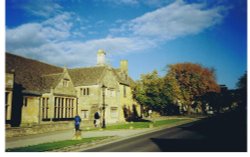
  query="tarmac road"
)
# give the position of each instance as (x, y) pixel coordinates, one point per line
(217, 134)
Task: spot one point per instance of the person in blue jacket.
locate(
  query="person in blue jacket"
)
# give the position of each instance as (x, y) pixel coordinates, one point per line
(77, 122)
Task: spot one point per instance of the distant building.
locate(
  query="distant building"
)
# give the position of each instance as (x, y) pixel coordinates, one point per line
(40, 93)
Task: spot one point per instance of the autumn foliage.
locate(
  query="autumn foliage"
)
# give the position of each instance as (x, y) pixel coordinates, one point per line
(193, 80)
(182, 84)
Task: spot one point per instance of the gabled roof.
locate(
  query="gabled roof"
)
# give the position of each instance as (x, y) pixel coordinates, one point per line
(28, 72)
(50, 81)
(37, 76)
(121, 77)
(86, 76)
(93, 75)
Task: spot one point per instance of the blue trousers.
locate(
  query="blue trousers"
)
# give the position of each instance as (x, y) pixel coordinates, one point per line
(77, 127)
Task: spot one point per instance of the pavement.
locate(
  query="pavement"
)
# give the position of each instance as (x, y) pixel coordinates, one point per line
(23, 141)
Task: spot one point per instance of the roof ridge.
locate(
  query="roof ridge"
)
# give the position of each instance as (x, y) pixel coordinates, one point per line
(32, 60)
(87, 67)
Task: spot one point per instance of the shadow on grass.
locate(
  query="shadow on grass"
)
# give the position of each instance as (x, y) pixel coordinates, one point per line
(142, 120)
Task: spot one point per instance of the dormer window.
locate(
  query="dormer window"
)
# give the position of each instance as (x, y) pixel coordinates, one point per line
(65, 82)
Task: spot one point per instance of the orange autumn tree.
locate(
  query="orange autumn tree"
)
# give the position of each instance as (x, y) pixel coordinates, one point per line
(193, 80)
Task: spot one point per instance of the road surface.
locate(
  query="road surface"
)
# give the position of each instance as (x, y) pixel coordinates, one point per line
(217, 134)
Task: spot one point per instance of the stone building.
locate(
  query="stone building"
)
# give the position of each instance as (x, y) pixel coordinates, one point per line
(46, 94)
(9, 84)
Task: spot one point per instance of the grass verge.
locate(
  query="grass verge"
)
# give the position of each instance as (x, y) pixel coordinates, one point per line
(56, 145)
(144, 124)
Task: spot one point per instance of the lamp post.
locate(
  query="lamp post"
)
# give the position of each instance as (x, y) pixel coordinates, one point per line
(103, 106)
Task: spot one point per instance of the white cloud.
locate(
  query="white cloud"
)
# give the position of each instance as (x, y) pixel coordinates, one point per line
(25, 36)
(60, 22)
(175, 20)
(54, 29)
(51, 40)
(76, 53)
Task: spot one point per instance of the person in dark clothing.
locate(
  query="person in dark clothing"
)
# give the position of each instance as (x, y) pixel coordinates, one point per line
(77, 122)
(96, 119)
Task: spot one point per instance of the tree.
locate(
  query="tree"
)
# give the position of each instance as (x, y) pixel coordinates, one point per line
(242, 91)
(147, 90)
(181, 86)
(193, 80)
(242, 83)
(171, 94)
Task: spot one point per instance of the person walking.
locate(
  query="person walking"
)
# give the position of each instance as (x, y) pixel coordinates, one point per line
(77, 122)
(96, 119)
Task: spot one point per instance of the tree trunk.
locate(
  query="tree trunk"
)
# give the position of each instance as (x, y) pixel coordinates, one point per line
(189, 110)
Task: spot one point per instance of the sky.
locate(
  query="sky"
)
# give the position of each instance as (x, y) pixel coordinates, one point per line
(150, 34)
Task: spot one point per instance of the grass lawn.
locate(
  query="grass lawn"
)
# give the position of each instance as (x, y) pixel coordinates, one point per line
(55, 145)
(144, 124)
(166, 122)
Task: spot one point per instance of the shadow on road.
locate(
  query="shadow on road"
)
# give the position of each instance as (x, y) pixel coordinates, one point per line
(187, 145)
(222, 133)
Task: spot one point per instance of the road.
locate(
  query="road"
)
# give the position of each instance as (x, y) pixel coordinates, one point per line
(215, 134)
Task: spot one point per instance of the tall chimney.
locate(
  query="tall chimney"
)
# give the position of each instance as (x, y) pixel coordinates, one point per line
(124, 66)
(101, 57)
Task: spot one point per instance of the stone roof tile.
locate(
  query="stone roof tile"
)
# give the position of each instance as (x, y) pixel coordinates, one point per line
(28, 72)
(86, 76)
(38, 76)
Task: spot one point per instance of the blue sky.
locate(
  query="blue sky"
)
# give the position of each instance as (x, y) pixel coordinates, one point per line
(150, 34)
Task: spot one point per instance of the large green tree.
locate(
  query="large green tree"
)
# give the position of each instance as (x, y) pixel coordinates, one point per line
(171, 94)
(158, 93)
(147, 90)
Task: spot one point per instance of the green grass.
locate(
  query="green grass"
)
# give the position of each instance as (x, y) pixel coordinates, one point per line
(144, 124)
(165, 122)
(55, 145)
(128, 125)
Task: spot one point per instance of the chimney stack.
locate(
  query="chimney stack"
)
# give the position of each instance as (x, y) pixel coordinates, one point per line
(124, 66)
(101, 57)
